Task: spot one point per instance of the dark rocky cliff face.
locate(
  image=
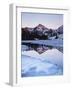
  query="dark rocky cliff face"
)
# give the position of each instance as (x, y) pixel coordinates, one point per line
(40, 32)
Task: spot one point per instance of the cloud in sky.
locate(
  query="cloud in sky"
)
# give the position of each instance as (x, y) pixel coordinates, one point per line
(49, 20)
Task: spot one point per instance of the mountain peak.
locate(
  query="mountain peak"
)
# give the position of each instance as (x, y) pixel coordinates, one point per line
(40, 25)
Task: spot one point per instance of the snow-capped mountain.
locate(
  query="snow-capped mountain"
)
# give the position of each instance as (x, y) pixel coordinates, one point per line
(41, 28)
(41, 32)
(60, 30)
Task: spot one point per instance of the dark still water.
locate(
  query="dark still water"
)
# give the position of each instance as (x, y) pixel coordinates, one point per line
(39, 48)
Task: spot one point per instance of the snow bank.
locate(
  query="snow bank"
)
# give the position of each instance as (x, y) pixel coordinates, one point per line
(31, 53)
(53, 56)
(47, 63)
(34, 67)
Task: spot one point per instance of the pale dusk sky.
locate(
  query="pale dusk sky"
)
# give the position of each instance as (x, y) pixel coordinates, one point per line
(52, 21)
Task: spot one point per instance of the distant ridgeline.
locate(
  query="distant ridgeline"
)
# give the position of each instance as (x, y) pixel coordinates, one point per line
(40, 32)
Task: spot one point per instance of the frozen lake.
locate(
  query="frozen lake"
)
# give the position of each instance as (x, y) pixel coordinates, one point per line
(54, 43)
(48, 63)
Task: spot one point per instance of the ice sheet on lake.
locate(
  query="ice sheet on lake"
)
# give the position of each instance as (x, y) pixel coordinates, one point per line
(47, 63)
(54, 42)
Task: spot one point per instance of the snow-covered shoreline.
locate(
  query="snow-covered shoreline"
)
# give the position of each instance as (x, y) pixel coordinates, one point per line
(47, 63)
(54, 42)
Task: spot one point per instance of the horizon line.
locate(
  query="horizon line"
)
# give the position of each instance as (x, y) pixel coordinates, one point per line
(41, 24)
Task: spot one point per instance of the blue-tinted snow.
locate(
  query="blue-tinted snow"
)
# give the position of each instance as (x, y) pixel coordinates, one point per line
(47, 63)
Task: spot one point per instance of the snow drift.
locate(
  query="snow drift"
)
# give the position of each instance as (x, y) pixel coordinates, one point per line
(48, 63)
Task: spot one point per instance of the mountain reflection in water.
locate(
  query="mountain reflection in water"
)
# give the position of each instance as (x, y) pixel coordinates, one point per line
(39, 48)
